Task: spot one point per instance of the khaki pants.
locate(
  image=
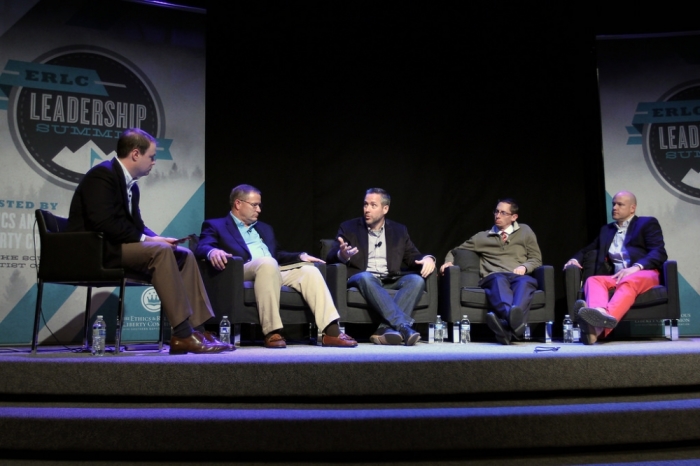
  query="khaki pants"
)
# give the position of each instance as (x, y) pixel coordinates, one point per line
(306, 279)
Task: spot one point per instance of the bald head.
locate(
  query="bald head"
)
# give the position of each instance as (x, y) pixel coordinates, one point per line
(632, 198)
(624, 205)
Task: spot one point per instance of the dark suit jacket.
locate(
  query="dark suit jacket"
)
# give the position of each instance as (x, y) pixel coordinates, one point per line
(401, 252)
(100, 203)
(644, 243)
(222, 233)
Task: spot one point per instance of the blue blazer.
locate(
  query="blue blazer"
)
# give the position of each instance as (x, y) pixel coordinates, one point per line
(644, 243)
(222, 233)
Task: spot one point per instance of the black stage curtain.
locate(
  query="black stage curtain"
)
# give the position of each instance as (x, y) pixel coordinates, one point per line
(448, 106)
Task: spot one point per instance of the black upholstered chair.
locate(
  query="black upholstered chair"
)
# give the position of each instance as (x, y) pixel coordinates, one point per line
(353, 308)
(460, 292)
(660, 303)
(76, 259)
(234, 297)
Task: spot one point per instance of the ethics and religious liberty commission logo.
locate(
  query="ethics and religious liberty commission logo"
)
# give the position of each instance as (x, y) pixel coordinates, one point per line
(67, 108)
(670, 135)
(150, 300)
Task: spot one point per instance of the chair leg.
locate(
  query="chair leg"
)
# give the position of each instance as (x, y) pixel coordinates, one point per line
(251, 333)
(86, 323)
(313, 330)
(160, 332)
(237, 335)
(37, 314)
(120, 317)
(671, 329)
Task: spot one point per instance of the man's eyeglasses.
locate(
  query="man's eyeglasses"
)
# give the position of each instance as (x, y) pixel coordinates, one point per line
(254, 205)
(501, 213)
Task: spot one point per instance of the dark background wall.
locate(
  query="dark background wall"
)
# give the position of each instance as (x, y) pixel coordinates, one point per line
(449, 106)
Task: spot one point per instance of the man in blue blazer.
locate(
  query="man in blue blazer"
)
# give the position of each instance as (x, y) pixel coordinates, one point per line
(241, 234)
(375, 250)
(107, 201)
(630, 254)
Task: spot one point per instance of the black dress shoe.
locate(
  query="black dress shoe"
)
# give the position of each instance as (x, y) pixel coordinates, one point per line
(589, 334)
(410, 336)
(516, 316)
(195, 343)
(597, 317)
(578, 305)
(498, 327)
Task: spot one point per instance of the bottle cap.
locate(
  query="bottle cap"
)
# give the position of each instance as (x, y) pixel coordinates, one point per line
(225, 317)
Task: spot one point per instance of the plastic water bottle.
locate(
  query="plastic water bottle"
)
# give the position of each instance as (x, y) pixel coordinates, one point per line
(225, 330)
(577, 333)
(568, 329)
(439, 330)
(465, 330)
(99, 335)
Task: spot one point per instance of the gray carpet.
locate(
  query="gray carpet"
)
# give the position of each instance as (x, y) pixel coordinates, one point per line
(480, 403)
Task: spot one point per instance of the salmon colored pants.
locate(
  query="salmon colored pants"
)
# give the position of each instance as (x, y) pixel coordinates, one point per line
(597, 290)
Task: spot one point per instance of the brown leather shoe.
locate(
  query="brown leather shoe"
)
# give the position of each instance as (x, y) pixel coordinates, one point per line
(212, 340)
(195, 343)
(275, 340)
(342, 340)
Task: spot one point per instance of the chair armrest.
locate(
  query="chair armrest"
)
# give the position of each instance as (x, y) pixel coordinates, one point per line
(572, 283)
(224, 287)
(469, 264)
(545, 282)
(431, 287)
(669, 278)
(450, 284)
(337, 282)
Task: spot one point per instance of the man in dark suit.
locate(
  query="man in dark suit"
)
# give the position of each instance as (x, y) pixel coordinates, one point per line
(630, 255)
(107, 201)
(375, 249)
(241, 234)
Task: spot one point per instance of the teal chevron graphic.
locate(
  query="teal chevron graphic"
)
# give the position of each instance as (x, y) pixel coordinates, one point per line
(16, 328)
(189, 219)
(635, 137)
(52, 78)
(94, 156)
(163, 149)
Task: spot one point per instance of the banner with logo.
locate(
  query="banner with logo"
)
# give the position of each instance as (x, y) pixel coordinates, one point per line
(73, 76)
(650, 108)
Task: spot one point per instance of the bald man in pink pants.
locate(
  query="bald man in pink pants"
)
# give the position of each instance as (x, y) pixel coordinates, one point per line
(630, 255)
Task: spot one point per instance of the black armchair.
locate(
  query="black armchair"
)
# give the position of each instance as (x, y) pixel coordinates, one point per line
(76, 259)
(460, 292)
(660, 303)
(234, 297)
(353, 308)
